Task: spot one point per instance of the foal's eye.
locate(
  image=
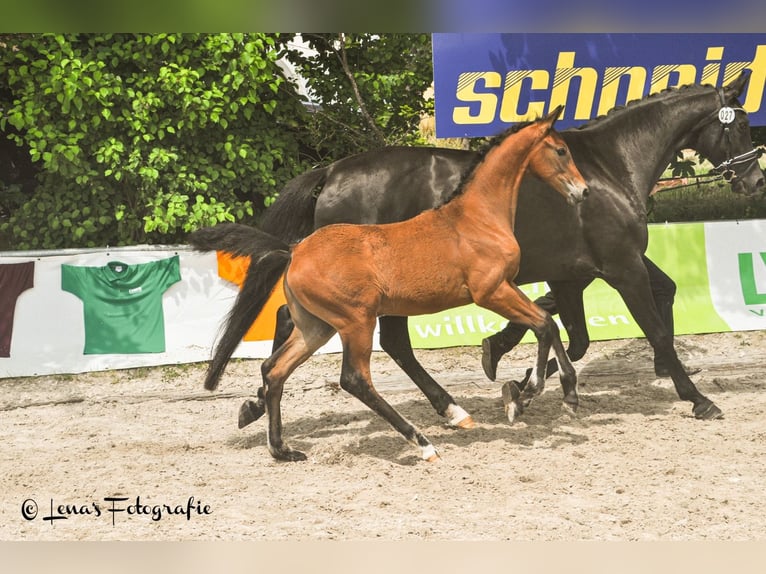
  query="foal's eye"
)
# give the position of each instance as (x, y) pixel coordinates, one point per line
(561, 151)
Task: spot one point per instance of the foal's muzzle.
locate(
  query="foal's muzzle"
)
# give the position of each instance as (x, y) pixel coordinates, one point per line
(577, 195)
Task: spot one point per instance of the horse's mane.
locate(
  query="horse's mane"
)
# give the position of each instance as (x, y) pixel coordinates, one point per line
(617, 110)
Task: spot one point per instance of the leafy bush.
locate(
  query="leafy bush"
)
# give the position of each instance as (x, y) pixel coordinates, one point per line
(707, 202)
(141, 138)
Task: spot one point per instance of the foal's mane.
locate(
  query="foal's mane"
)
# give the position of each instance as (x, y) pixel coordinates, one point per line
(490, 144)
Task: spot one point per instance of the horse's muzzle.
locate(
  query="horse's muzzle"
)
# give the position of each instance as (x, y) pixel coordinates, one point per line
(748, 187)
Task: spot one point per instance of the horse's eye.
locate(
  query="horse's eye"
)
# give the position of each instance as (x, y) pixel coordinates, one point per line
(561, 151)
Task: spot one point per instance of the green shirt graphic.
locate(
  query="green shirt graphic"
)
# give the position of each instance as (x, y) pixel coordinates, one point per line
(122, 304)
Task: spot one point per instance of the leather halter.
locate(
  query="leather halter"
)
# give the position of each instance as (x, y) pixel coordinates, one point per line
(726, 116)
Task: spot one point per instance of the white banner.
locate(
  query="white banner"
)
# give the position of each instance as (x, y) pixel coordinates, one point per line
(146, 306)
(48, 333)
(736, 260)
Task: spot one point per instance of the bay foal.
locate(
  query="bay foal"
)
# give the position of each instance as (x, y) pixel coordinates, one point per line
(342, 277)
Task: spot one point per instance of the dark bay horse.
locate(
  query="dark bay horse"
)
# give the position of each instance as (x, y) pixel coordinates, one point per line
(341, 278)
(621, 156)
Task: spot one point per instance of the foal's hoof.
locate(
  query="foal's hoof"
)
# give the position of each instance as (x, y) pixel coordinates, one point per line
(458, 418)
(707, 411)
(250, 411)
(429, 453)
(488, 361)
(511, 394)
(466, 423)
(570, 407)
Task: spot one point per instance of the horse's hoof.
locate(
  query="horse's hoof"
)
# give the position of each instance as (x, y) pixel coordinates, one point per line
(510, 393)
(250, 411)
(663, 371)
(707, 411)
(488, 362)
(287, 454)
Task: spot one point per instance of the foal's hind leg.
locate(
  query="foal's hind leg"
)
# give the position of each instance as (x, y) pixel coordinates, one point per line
(300, 345)
(395, 340)
(355, 379)
(250, 410)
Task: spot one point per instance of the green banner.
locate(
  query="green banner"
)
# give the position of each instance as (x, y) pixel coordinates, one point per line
(678, 249)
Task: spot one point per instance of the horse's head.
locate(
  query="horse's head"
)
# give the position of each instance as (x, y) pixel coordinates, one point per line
(551, 162)
(726, 141)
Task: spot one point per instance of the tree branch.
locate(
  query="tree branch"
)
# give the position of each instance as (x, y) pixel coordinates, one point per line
(354, 86)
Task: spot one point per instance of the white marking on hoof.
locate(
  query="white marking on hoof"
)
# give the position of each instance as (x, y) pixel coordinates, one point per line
(429, 453)
(510, 412)
(456, 415)
(509, 405)
(532, 388)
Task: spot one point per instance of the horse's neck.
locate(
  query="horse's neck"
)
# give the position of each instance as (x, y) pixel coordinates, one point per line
(656, 133)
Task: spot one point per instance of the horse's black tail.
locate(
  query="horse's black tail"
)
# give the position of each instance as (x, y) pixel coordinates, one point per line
(291, 216)
(269, 258)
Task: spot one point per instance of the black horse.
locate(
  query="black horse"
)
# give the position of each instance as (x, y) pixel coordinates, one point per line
(621, 155)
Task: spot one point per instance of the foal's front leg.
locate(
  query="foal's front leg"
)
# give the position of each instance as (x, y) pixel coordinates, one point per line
(511, 303)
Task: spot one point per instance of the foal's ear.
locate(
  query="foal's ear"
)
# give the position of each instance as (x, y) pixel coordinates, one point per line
(554, 114)
(734, 88)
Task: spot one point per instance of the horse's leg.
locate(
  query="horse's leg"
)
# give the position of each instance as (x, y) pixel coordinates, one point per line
(395, 340)
(355, 379)
(495, 346)
(510, 302)
(250, 410)
(299, 346)
(633, 285)
(569, 296)
(663, 292)
(566, 298)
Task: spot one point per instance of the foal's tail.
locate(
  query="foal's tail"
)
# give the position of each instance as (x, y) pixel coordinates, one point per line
(291, 216)
(269, 259)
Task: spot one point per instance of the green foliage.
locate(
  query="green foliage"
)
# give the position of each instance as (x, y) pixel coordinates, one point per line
(141, 138)
(371, 89)
(706, 202)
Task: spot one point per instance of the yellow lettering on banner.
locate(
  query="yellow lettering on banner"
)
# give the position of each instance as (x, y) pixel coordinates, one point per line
(757, 81)
(687, 74)
(565, 71)
(611, 84)
(509, 109)
(477, 88)
(710, 72)
(466, 92)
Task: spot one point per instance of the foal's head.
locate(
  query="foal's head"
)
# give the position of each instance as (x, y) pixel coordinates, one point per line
(551, 161)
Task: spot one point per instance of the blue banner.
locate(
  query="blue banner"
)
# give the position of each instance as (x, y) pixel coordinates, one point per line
(485, 82)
